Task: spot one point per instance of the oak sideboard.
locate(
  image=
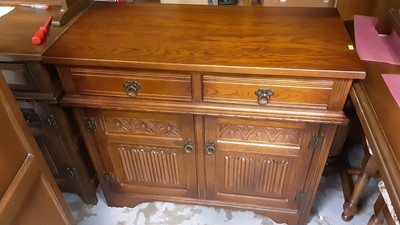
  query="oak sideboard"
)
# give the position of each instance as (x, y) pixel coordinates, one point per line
(223, 106)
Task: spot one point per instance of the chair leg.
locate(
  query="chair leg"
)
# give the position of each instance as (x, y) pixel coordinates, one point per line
(378, 218)
(350, 208)
(346, 178)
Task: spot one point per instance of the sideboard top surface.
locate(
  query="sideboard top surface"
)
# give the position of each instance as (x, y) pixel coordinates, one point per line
(17, 28)
(252, 40)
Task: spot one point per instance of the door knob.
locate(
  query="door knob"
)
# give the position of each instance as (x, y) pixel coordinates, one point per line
(188, 146)
(210, 148)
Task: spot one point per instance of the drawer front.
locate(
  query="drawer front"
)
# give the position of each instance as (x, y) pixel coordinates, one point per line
(268, 91)
(132, 84)
(32, 80)
(17, 76)
(299, 3)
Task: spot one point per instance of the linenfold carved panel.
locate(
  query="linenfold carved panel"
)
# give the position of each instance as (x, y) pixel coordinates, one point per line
(149, 164)
(272, 135)
(240, 173)
(149, 127)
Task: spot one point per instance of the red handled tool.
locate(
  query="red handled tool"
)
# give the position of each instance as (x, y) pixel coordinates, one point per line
(41, 33)
(37, 6)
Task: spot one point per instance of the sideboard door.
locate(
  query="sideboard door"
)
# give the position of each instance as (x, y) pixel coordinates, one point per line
(145, 153)
(258, 162)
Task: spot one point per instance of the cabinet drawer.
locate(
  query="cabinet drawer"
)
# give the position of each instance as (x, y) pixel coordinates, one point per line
(268, 91)
(17, 76)
(132, 84)
(31, 80)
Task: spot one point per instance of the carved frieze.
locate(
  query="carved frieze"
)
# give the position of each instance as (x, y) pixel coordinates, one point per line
(268, 135)
(149, 127)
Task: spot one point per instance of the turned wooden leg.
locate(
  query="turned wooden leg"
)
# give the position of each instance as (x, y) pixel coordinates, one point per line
(350, 208)
(378, 218)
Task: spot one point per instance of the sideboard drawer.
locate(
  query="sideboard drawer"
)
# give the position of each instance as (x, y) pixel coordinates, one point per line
(17, 76)
(268, 91)
(31, 80)
(132, 84)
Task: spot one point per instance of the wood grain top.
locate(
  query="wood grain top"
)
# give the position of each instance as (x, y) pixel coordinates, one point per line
(254, 40)
(17, 29)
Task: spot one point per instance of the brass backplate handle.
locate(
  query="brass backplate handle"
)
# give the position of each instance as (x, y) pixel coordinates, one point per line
(188, 146)
(132, 88)
(210, 148)
(264, 95)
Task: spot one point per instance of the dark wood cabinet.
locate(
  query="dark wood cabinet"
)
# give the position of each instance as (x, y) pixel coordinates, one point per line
(31, 79)
(37, 89)
(28, 192)
(196, 110)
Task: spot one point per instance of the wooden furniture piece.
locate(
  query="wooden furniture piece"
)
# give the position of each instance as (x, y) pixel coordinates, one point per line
(380, 209)
(62, 11)
(383, 209)
(346, 8)
(369, 169)
(378, 113)
(388, 15)
(69, 9)
(37, 90)
(349, 8)
(28, 193)
(187, 107)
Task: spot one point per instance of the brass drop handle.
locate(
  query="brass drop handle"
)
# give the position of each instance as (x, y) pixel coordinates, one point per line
(264, 95)
(210, 148)
(132, 88)
(188, 146)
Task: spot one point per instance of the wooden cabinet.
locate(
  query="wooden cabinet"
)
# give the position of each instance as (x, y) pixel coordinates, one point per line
(37, 89)
(146, 150)
(259, 162)
(191, 111)
(31, 80)
(28, 193)
(146, 153)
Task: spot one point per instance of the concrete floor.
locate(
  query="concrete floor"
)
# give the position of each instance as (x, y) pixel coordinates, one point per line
(327, 210)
